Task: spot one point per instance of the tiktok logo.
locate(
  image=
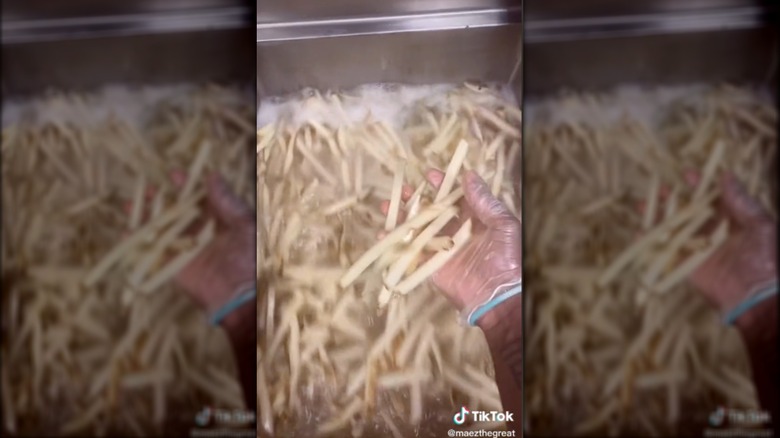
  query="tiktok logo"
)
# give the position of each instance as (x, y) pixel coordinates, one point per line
(203, 417)
(717, 417)
(460, 417)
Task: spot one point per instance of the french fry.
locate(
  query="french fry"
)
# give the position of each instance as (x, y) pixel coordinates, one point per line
(430, 214)
(453, 169)
(615, 275)
(398, 268)
(317, 227)
(395, 198)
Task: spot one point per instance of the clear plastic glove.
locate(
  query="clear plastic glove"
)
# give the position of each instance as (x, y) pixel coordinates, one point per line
(748, 259)
(228, 262)
(493, 256)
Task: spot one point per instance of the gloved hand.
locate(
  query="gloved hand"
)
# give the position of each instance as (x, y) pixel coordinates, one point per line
(493, 256)
(748, 259)
(228, 262)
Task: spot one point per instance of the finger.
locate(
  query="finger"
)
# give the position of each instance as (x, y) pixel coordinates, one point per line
(178, 178)
(739, 205)
(692, 177)
(228, 207)
(434, 177)
(406, 193)
(489, 210)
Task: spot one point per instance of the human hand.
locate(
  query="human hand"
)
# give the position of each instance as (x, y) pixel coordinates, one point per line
(490, 259)
(228, 262)
(748, 258)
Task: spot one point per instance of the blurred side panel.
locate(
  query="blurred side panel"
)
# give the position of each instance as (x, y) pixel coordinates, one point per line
(81, 64)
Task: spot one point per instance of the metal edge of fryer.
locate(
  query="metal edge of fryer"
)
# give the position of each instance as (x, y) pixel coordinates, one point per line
(415, 48)
(737, 44)
(158, 47)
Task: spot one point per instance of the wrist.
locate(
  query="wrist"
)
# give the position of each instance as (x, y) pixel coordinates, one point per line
(504, 322)
(236, 307)
(241, 322)
(759, 321)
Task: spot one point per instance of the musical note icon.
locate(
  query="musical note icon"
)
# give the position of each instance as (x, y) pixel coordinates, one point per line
(717, 417)
(203, 417)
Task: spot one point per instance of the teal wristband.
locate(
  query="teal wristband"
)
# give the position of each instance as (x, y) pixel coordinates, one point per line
(246, 295)
(497, 297)
(760, 295)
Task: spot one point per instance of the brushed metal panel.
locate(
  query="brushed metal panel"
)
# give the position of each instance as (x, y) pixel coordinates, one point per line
(469, 19)
(559, 9)
(271, 11)
(490, 54)
(48, 9)
(83, 64)
(740, 56)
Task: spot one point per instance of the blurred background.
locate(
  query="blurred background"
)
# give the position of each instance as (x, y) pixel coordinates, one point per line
(83, 44)
(622, 100)
(102, 102)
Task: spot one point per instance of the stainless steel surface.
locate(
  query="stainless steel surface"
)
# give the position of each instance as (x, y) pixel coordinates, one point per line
(453, 55)
(274, 11)
(58, 29)
(573, 9)
(468, 19)
(569, 28)
(82, 64)
(648, 42)
(591, 64)
(84, 44)
(14, 10)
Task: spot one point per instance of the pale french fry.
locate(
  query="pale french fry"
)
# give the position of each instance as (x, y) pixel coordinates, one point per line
(709, 169)
(311, 234)
(116, 254)
(264, 402)
(395, 198)
(430, 214)
(173, 232)
(460, 238)
(653, 335)
(342, 419)
(438, 144)
(689, 265)
(139, 380)
(391, 425)
(339, 206)
(174, 266)
(398, 268)
(496, 121)
(293, 347)
(195, 171)
(453, 169)
(629, 253)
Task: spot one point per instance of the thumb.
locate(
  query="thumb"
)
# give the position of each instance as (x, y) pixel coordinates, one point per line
(739, 205)
(229, 208)
(489, 210)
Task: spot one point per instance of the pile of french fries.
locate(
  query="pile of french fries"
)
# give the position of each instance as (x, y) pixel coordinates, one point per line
(617, 335)
(96, 340)
(349, 327)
